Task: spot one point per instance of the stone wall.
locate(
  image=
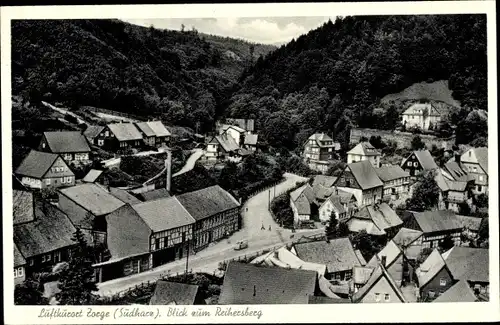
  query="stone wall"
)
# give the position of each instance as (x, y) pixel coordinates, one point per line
(403, 139)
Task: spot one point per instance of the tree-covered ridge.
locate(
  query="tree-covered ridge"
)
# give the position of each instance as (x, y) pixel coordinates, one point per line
(119, 66)
(333, 77)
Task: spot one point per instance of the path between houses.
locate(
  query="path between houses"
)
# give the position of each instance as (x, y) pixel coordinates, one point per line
(208, 259)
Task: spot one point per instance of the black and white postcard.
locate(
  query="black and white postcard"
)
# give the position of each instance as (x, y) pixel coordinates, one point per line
(240, 163)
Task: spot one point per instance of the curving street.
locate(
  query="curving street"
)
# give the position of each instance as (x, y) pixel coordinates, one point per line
(208, 259)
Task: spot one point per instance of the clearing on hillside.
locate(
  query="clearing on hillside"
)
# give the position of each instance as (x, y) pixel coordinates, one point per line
(436, 91)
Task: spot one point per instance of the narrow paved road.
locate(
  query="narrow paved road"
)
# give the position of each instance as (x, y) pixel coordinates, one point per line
(191, 161)
(208, 259)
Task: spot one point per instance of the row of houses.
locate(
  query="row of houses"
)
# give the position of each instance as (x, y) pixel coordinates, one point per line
(135, 235)
(121, 136)
(335, 272)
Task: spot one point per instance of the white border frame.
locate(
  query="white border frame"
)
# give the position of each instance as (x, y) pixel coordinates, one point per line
(347, 313)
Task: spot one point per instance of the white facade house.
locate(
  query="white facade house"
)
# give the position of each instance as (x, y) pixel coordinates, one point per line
(364, 151)
(421, 115)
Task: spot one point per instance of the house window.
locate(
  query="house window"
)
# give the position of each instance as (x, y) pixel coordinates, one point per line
(481, 177)
(32, 262)
(415, 164)
(107, 133)
(100, 142)
(43, 145)
(377, 297)
(442, 282)
(387, 297)
(479, 188)
(47, 181)
(57, 257)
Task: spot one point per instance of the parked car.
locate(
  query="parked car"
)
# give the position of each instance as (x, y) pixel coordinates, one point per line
(242, 244)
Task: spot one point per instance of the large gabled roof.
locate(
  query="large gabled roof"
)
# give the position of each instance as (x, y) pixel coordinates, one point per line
(174, 293)
(125, 131)
(377, 274)
(246, 284)
(391, 172)
(469, 264)
(51, 230)
(66, 141)
(425, 159)
(36, 164)
(391, 251)
(207, 202)
(337, 254)
(92, 131)
(433, 221)
(459, 292)
(164, 214)
(365, 174)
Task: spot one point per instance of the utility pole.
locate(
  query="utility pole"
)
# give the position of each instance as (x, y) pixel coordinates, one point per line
(187, 260)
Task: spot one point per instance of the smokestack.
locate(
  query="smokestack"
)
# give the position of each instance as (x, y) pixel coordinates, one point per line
(383, 260)
(457, 157)
(168, 166)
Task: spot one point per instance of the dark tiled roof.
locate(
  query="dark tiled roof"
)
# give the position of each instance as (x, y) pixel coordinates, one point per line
(36, 164)
(459, 292)
(337, 255)
(173, 293)
(324, 180)
(327, 300)
(92, 131)
(469, 264)
(471, 223)
(124, 196)
(51, 230)
(455, 170)
(406, 236)
(158, 128)
(391, 251)
(164, 214)
(249, 284)
(389, 173)
(365, 174)
(302, 199)
(66, 141)
(207, 202)
(160, 193)
(382, 215)
(18, 257)
(92, 176)
(93, 198)
(425, 159)
(22, 206)
(125, 131)
(431, 221)
(432, 265)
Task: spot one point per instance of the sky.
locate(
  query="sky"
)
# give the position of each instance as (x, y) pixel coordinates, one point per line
(265, 30)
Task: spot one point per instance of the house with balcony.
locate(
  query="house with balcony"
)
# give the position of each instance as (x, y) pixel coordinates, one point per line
(396, 182)
(41, 170)
(87, 205)
(422, 115)
(434, 225)
(72, 146)
(361, 179)
(419, 161)
(42, 240)
(319, 150)
(475, 162)
(216, 214)
(364, 151)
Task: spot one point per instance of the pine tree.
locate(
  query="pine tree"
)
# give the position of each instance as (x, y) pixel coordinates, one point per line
(77, 283)
(331, 228)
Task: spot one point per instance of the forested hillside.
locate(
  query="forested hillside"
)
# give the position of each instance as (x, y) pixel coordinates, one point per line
(333, 77)
(115, 65)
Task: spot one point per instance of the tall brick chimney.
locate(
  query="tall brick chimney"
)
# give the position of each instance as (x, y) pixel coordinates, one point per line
(168, 166)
